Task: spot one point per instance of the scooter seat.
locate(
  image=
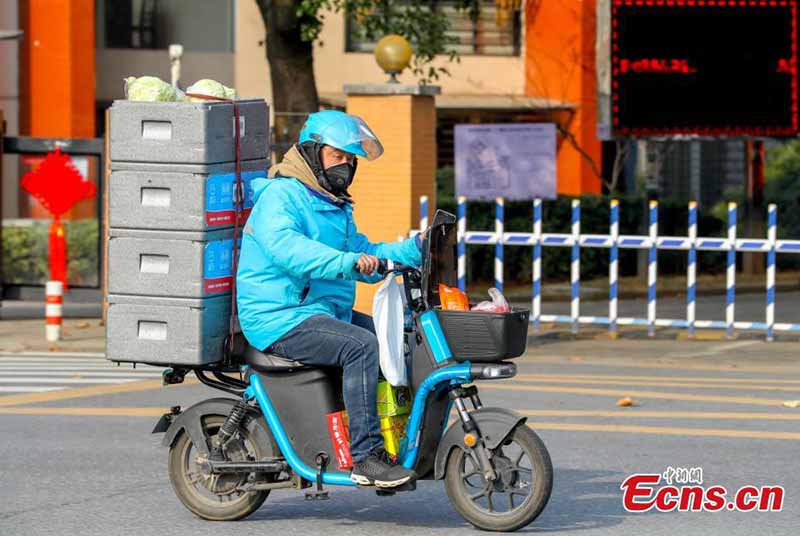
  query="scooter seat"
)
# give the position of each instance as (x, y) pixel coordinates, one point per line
(270, 362)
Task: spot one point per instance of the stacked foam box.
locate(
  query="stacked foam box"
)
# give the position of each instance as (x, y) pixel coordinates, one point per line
(171, 218)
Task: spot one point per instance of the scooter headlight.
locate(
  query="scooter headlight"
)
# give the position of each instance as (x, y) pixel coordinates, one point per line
(494, 372)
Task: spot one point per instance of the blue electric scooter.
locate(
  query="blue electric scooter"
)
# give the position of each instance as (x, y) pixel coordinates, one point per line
(225, 455)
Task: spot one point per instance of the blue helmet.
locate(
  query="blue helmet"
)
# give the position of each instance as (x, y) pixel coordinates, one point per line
(343, 131)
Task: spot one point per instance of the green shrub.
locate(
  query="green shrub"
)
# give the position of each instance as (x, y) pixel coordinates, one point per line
(557, 217)
(25, 253)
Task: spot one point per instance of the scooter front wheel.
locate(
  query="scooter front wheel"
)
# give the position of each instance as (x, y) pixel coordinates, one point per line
(524, 479)
(214, 497)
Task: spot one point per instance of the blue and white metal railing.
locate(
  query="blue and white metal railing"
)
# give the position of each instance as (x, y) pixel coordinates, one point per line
(772, 233)
(537, 264)
(613, 267)
(652, 242)
(652, 268)
(575, 266)
(498, 246)
(462, 246)
(730, 278)
(423, 212)
(691, 270)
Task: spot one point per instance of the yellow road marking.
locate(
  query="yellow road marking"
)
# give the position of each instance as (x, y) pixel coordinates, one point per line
(639, 413)
(568, 379)
(625, 413)
(664, 378)
(664, 430)
(532, 359)
(87, 412)
(569, 427)
(640, 394)
(50, 396)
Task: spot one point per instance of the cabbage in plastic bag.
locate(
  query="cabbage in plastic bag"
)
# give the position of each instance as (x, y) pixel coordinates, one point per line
(211, 88)
(151, 89)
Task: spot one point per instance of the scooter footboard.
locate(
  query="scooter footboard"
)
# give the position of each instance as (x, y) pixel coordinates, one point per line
(494, 426)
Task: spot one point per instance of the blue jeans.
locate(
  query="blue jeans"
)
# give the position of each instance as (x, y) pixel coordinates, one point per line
(324, 341)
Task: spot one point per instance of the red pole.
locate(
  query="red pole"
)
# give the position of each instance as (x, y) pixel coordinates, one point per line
(58, 252)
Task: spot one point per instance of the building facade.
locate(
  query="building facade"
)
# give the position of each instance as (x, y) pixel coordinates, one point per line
(535, 64)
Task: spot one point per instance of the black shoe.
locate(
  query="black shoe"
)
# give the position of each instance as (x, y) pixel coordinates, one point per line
(381, 470)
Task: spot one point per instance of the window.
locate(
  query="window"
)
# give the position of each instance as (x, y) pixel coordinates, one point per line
(198, 25)
(492, 34)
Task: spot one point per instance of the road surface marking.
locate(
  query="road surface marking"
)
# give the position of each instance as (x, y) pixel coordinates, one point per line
(688, 384)
(639, 413)
(566, 427)
(705, 379)
(83, 392)
(56, 361)
(664, 430)
(70, 366)
(640, 394)
(87, 412)
(4, 373)
(534, 360)
(100, 355)
(716, 349)
(27, 389)
(65, 381)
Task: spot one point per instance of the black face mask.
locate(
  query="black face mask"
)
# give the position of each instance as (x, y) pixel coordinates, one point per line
(338, 178)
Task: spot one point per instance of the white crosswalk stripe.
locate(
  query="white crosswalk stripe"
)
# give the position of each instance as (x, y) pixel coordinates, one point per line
(33, 372)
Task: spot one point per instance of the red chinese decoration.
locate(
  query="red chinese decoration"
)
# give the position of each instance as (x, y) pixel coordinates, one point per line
(58, 186)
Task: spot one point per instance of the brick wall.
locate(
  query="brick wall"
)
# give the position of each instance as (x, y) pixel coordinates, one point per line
(387, 190)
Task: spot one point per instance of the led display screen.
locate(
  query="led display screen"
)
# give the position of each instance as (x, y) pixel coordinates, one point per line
(713, 67)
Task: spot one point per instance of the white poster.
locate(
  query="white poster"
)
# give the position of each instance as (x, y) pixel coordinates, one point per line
(510, 160)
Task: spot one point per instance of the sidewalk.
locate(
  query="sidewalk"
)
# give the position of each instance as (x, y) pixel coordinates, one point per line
(79, 335)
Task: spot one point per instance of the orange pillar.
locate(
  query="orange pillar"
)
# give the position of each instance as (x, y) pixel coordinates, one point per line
(387, 191)
(57, 68)
(560, 65)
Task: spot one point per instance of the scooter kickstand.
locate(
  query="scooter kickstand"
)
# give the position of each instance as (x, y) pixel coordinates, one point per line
(319, 494)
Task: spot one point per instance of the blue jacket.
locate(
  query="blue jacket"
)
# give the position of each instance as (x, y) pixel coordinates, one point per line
(297, 260)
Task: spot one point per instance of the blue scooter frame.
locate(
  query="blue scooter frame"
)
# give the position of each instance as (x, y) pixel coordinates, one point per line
(453, 374)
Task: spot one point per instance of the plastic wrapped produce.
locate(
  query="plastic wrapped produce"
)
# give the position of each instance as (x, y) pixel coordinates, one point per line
(151, 89)
(212, 88)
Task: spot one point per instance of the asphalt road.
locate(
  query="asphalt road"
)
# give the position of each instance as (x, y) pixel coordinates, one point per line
(79, 458)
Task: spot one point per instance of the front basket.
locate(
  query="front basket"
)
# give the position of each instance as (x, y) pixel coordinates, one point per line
(485, 337)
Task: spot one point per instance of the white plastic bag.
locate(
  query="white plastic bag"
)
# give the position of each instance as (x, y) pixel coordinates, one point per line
(387, 314)
(497, 305)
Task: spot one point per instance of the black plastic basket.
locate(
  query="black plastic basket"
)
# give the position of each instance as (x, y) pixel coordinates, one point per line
(485, 337)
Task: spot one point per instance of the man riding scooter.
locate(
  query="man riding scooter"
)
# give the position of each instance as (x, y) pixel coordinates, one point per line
(300, 258)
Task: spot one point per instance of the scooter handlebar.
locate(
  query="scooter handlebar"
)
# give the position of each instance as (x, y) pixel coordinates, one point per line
(388, 266)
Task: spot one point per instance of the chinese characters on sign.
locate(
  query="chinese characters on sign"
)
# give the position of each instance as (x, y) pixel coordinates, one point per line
(512, 160)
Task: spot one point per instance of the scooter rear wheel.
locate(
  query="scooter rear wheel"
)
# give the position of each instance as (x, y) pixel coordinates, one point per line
(519, 493)
(214, 497)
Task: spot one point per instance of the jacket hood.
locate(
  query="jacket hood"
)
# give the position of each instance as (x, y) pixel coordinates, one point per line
(294, 165)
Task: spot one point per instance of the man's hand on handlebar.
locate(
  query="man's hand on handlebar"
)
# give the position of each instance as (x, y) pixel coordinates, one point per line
(367, 264)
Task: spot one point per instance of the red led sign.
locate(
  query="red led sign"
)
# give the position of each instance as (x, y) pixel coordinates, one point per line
(707, 67)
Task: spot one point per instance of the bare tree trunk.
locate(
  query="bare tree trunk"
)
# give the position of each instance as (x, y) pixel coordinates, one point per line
(291, 63)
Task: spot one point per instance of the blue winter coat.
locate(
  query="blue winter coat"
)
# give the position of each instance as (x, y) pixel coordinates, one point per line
(297, 259)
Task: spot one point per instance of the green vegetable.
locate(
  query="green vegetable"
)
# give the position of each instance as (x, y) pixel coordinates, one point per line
(206, 86)
(150, 89)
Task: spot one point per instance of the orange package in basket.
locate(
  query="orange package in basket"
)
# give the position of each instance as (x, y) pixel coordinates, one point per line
(452, 299)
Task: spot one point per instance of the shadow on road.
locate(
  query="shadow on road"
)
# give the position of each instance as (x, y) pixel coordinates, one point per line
(580, 500)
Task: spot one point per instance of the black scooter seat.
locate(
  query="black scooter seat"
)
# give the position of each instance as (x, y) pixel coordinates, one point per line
(270, 362)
